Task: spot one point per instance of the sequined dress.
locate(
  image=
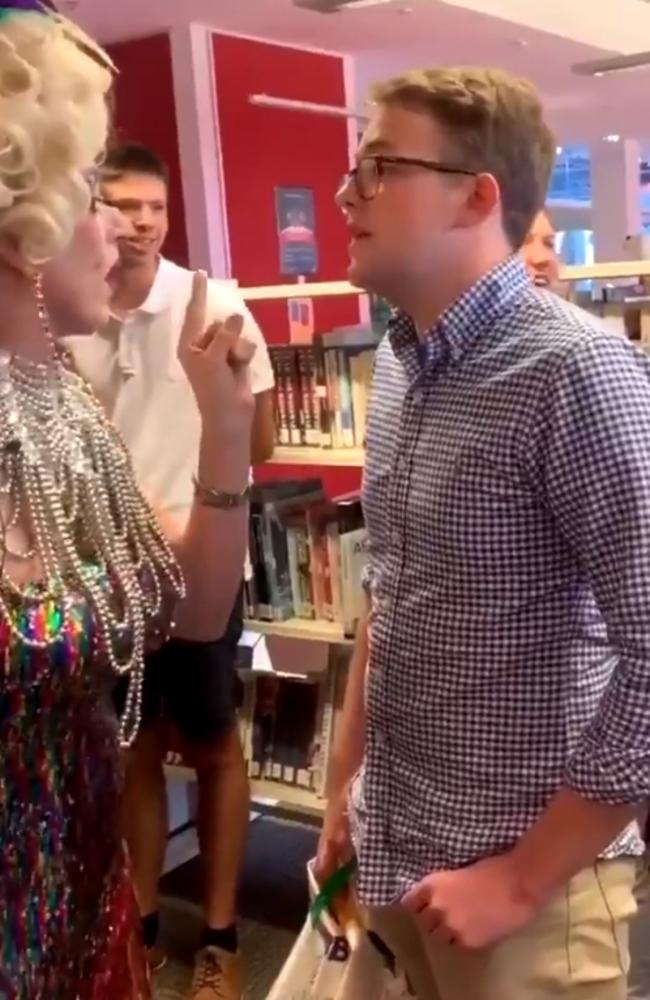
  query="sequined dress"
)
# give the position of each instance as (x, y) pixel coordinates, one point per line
(67, 912)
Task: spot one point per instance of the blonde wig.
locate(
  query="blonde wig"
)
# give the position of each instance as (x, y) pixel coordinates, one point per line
(54, 83)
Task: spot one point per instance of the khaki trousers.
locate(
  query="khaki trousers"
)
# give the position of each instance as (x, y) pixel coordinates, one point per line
(577, 947)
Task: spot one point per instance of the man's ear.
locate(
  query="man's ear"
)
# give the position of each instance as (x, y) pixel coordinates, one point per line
(482, 197)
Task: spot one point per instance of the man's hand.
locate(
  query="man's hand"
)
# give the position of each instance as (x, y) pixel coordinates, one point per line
(335, 844)
(472, 907)
(215, 359)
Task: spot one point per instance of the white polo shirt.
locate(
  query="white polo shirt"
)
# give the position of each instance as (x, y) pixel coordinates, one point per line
(133, 367)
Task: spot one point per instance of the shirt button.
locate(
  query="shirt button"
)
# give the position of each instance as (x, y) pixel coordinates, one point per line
(395, 537)
(418, 396)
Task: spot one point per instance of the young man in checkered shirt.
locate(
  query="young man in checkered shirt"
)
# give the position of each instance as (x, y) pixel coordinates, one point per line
(498, 708)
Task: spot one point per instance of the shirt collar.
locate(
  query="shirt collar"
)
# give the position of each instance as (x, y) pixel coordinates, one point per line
(469, 315)
(158, 298)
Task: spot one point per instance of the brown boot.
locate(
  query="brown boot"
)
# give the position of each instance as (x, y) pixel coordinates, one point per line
(217, 976)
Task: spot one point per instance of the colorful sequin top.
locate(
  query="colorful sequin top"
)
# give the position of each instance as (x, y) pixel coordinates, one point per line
(67, 913)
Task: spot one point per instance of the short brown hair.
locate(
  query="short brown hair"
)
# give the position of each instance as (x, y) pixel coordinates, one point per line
(495, 124)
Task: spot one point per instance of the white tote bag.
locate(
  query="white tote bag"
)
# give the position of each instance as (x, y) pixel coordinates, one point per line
(334, 958)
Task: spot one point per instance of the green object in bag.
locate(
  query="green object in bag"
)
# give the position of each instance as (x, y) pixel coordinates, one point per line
(338, 881)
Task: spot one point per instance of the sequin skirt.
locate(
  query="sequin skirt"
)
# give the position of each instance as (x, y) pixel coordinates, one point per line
(68, 920)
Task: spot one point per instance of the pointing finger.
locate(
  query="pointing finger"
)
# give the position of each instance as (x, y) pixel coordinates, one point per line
(194, 323)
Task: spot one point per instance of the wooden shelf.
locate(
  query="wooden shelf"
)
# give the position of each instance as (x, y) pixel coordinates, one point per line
(301, 628)
(299, 455)
(267, 794)
(275, 795)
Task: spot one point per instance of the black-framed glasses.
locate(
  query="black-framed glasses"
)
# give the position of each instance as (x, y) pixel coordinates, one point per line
(370, 170)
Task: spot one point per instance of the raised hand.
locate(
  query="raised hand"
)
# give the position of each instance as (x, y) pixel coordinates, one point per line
(215, 359)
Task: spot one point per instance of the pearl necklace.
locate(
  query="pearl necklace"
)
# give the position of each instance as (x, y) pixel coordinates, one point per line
(67, 476)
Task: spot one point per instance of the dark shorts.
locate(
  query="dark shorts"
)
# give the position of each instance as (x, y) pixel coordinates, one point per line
(192, 685)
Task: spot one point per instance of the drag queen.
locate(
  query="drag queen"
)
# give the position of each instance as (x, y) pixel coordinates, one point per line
(87, 578)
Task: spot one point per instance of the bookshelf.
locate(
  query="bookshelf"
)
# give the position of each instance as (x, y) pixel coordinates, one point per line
(266, 794)
(276, 795)
(605, 271)
(303, 455)
(301, 628)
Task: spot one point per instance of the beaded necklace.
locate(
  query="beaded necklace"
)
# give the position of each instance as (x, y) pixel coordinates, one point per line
(66, 475)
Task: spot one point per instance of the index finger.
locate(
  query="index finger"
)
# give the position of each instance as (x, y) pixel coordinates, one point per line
(194, 323)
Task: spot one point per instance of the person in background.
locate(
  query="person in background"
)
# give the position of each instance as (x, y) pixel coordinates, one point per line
(494, 747)
(88, 580)
(131, 364)
(539, 253)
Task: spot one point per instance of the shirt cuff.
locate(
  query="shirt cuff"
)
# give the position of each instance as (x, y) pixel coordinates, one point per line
(613, 776)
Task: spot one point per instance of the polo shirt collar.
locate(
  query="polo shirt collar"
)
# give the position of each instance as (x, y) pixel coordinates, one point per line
(159, 294)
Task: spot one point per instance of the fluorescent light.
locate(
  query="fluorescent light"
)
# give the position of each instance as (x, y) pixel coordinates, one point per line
(612, 138)
(612, 64)
(559, 150)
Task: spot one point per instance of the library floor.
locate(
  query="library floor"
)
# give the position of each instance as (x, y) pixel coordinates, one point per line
(273, 907)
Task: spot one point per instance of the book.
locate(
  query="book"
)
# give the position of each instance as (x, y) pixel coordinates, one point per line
(345, 399)
(309, 401)
(269, 552)
(280, 395)
(289, 368)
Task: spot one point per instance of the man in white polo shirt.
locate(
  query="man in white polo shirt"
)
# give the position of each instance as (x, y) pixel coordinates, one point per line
(133, 368)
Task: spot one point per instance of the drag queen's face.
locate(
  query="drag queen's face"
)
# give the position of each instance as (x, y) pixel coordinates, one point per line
(75, 282)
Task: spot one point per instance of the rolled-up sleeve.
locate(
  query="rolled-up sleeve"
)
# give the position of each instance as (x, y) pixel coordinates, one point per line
(595, 462)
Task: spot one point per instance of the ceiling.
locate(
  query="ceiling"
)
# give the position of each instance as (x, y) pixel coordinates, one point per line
(541, 39)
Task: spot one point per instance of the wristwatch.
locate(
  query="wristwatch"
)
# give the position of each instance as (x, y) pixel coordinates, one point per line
(219, 498)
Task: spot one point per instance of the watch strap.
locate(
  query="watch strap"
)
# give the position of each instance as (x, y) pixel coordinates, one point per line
(220, 499)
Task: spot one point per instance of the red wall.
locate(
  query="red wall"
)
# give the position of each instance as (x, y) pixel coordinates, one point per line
(262, 148)
(267, 147)
(145, 112)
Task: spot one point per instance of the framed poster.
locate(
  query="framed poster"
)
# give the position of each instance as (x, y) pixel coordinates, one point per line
(296, 225)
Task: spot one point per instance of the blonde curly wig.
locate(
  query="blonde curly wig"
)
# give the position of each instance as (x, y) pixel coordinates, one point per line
(54, 83)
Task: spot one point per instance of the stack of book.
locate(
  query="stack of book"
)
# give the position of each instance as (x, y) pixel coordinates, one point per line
(322, 389)
(307, 554)
(286, 726)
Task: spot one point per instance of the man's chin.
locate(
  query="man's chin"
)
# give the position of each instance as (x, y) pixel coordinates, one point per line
(359, 276)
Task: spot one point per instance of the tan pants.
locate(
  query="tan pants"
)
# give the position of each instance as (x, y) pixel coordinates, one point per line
(577, 947)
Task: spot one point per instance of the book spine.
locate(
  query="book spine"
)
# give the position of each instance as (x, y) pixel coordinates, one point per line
(332, 376)
(264, 610)
(353, 557)
(311, 432)
(294, 570)
(316, 568)
(345, 399)
(280, 396)
(324, 734)
(322, 397)
(292, 387)
(334, 559)
(276, 556)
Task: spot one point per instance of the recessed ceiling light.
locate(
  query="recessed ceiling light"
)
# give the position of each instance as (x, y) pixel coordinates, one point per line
(612, 138)
(559, 150)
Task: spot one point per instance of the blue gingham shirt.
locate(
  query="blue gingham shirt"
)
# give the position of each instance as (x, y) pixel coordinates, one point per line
(507, 498)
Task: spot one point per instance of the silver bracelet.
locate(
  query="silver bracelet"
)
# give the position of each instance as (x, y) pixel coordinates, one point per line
(219, 498)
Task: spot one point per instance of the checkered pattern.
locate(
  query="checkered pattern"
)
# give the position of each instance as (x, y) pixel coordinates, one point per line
(507, 497)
